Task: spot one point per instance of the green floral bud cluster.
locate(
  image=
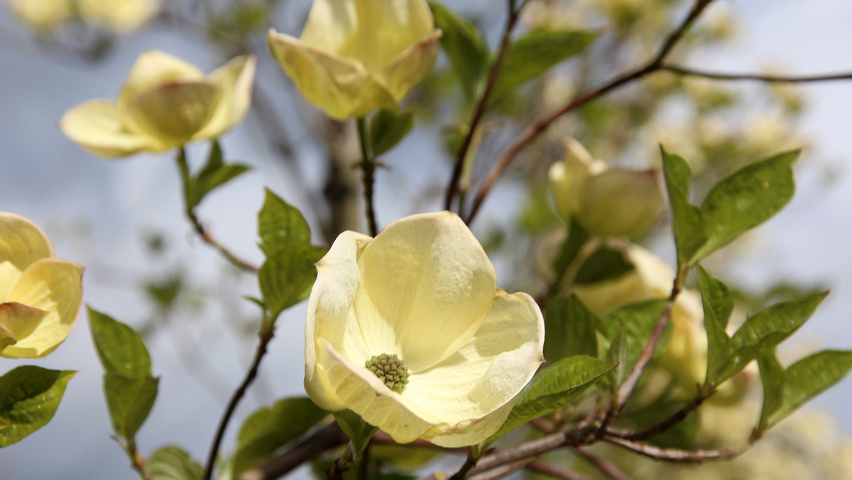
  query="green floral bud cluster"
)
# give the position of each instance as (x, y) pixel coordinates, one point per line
(390, 369)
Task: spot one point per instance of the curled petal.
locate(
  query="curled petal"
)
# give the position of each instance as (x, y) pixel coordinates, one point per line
(54, 286)
(411, 66)
(340, 87)
(118, 17)
(6, 339)
(621, 202)
(154, 68)
(20, 320)
(22, 242)
(235, 80)
(95, 126)
(172, 112)
(426, 288)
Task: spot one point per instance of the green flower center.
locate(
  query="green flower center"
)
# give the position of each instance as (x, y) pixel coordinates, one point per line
(390, 369)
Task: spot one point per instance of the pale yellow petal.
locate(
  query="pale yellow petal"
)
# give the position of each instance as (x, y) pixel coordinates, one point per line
(6, 339)
(361, 391)
(370, 32)
(117, 16)
(339, 87)
(22, 242)
(484, 374)
(172, 113)
(95, 126)
(54, 286)
(20, 320)
(469, 432)
(568, 180)
(41, 15)
(411, 66)
(621, 202)
(152, 69)
(426, 288)
(330, 315)
(235, 80)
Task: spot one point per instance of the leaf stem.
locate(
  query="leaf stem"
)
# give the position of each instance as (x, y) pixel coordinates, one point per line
(266, 334)
(186, 180)
(368, 166)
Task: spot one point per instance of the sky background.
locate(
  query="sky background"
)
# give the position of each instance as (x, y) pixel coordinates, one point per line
(98, 211)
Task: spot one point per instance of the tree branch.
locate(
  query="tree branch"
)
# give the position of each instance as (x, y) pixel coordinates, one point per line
(692, 72)
(608, 469)
(556, 472)
(673, 455)
(328, 437)
(664, 425)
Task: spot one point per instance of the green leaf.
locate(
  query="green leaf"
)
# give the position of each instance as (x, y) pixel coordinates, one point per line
(120, 349)
(358, 431)
(808, 378)
(271, 428)
(215, 173)
(577, 237)
(279, 224)
(172, 463)
(746, 199)
(464, 46)
(718, 304)
(639, 320)
(617, 356)
(535, 53)
(687, 219)
(604, 264)
(552, 388)
(387, 129)
(129, 400)
(29, 396)
(287, 276)
(569, 330)
(773, 377)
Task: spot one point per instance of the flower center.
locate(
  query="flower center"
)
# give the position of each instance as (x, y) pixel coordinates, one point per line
(390, 369)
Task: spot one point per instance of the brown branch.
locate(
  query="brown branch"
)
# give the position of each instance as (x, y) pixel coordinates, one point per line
(664, 425)
(502, 471)
(556, 472)
(481, 106)
(691, 72)
(674, 455)
(537, 128)
(531, 449)
(608, 469)
(328, 437)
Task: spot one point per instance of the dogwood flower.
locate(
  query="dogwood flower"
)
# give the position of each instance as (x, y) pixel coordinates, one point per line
(606, 201)
(164, 103)
(43, 16)
(409, 330)
(355, 56)
(117, 16)
(39, 294)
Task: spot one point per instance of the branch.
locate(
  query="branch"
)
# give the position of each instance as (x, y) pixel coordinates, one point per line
(664, 425)
(368, 165)
(608, 469)
(556, 472)
(537, 128)
(266, 334)
(502, 471)
(674, 455)
(479, 112)
(691, 72)
(578, 437)
(330, 436)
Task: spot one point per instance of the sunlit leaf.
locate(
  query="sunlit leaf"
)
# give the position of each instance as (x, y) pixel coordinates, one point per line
(129, 401)
(464, 46)
(172, 463)
(639, 320)
(119, 347)
(280, 223)
(29, 396)
(358, 431)
(718, 304)
(287, 276)
(687, 219)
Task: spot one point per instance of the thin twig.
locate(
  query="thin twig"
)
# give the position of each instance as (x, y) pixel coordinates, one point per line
(556, 472)
(481, 106)
(265, 335)
(502, 471)
(136, 459)
(537, 128)
(531, 449)
(611, 471)
(664, 425)
(692, 72)
(674, 455)
(324, 439)
(368, 165)
(205, 235)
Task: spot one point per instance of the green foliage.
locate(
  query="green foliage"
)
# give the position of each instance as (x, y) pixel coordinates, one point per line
(603, 264)
(215, 173)
(569, 330)
(172, 463)
(534, 54)
(287, 276)
(616, 355)
(638, 321)
(718, 303)
(464, 46)
(552, 388)
(279, 224)
(271, 428)
(358, 431)
(388, 129)
(29, 396)
(129, 387)
(687, 219)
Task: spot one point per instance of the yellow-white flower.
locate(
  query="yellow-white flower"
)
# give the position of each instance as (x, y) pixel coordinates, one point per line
(355, 56)
(606, 201)
(117, 16)
(39, 294)
(423, 290)
(164, 103)
(43, 16)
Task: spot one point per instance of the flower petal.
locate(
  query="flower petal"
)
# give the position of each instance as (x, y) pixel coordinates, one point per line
(172, 113)
(369, 32)
(621, 202)
(339, 87)
(426, 288)
(56, 287)
(117, 17)
(330, 315)
(411, 66)
(42, 15)
(468, 392)
(20, 320)
(95, 126)
(152, 69)
(234, 80)
(6, 339)
(22, 242)
(361, 391)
